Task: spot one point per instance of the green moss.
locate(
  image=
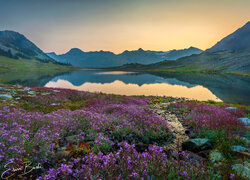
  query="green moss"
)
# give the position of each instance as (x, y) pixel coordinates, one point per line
(74, 105)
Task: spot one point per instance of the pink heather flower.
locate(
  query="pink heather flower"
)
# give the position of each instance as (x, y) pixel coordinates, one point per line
(232, 176)
(184, 173)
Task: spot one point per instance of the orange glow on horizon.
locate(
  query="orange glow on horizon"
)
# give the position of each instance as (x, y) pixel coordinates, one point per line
(127, 25)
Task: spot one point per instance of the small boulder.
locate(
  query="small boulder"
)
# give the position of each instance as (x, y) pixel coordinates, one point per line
(46, 93)
(63, 155)
(26, 89)
(245, 120)
(55, 104)
(31, 92)
(242, 169)
(216, 156)
(5, 96)
(195, 157)
(197, 145)
(232, 108)
(239, 148)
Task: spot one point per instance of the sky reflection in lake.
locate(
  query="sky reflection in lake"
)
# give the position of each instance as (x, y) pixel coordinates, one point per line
(157, 89)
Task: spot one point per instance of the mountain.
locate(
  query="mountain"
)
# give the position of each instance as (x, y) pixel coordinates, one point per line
(80, 58)
(238, 40)
(176, 54)
(53, 56)
(230, 55)
(234, 62)
(15, 45)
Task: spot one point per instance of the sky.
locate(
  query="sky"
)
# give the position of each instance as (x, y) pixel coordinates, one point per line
(118, 25)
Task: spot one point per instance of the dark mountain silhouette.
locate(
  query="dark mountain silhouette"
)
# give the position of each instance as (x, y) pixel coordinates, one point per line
(238, 40)
(80, 58)
(15, 45)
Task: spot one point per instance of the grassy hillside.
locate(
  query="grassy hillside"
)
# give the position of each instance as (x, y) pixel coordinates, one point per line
(23, 69)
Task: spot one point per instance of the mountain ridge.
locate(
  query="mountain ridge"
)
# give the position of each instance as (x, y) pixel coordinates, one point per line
(77, 57)
(230, 55)
(16, 45)
(238, 40)
(231, 62)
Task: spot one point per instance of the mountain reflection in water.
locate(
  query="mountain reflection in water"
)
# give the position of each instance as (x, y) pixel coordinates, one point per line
(235, 89)
(156, 89)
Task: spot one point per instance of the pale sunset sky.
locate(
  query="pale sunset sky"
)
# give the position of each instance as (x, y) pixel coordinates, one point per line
(118, 25)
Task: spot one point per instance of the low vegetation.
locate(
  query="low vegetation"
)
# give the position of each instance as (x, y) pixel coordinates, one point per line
(26, 69)
(77, 135)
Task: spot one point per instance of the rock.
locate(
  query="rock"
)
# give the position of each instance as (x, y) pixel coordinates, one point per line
(232, 108)
(176, 127)
(55, 104)
(26, 89)
(242, 169)
(239, 148)
(245, 120)
(160, 112)
(218, 166)
(46, 93)
(216, 156)
(31, 92)
(62, 148)
(195, 157)
(63, 155)
(197, 145)
(5, 96)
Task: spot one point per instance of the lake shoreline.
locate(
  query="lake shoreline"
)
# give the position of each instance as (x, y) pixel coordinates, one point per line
(173, 71)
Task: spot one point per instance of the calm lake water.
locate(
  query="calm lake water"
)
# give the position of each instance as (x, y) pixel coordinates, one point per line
(193, 86)
(201, 87)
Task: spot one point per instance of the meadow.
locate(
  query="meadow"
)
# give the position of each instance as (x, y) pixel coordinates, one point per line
(48, 133)
(23, 70)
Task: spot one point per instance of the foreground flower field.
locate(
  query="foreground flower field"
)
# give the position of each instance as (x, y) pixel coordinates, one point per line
(65, 134)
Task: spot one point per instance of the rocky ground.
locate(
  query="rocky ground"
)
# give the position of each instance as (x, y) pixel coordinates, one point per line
(202, 149)
(176, 127)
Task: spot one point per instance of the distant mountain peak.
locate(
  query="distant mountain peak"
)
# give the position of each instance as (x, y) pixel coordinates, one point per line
(238, 40)
(52, 53)
(75, 51)
(192, 47)
(101, 58)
